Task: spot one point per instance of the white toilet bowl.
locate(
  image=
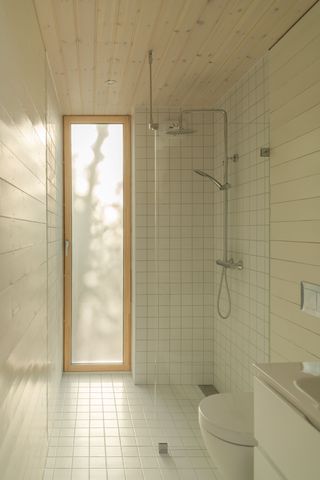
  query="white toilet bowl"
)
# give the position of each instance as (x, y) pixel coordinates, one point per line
(226, 424)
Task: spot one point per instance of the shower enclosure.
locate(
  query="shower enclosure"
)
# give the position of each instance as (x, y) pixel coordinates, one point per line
(175, 290)
(175, 293)
(178, 129)
(181, 338)
(190, 231)
(226, 262)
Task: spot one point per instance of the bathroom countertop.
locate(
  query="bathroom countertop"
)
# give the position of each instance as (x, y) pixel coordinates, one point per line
(289, 380)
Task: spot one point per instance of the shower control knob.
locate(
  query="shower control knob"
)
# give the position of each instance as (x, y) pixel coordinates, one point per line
(231, 264)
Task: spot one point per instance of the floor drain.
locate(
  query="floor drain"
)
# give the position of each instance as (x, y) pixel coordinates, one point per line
(208, 389)
(163, 448)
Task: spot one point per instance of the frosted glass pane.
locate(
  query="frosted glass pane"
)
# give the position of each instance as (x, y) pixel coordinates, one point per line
(97, 243)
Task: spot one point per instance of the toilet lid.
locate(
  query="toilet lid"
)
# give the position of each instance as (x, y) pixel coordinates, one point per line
(229, 416)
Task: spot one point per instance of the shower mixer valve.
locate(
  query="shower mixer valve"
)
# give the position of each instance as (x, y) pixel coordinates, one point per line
(230, 264)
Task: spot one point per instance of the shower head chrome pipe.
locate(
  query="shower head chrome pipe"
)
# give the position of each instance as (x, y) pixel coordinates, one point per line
(226, 262)
(152, 125)
(225, 172)
(213, 180)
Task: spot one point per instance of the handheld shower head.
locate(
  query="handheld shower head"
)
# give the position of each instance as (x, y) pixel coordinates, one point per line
(213, 180)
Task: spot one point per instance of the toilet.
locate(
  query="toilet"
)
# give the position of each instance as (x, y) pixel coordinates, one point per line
(226, 424)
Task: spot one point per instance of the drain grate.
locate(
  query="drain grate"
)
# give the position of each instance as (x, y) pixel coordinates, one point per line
(208, 389)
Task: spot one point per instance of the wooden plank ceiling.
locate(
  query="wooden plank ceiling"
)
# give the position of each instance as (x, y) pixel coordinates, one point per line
(201, 48)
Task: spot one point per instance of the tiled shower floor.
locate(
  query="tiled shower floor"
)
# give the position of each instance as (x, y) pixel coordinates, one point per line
(107, 428)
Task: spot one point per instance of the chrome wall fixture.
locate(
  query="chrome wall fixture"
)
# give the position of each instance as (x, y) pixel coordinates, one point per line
(213, 180)
(177, 128)
(152, 125)
(226, 262)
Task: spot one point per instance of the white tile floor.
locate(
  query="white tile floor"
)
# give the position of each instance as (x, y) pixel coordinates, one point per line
(107, 428)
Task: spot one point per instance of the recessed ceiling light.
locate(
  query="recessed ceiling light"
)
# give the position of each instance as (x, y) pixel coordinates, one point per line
(110, 81)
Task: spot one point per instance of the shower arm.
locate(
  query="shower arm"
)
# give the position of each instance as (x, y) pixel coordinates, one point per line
(212, 179)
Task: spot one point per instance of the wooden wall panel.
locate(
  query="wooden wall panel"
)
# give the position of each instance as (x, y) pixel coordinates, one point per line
(23, 345)
(295, 192)
(31, 269)
(54, 143)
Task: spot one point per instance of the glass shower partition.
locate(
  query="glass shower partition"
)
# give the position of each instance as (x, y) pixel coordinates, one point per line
(156, 284)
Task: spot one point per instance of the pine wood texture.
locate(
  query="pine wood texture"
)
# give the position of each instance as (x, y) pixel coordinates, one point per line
(201, 48)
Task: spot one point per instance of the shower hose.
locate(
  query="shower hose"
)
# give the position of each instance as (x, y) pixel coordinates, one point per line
(224, 277)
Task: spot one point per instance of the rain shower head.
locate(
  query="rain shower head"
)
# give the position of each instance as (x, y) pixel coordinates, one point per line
(213, 180)
(176, 128)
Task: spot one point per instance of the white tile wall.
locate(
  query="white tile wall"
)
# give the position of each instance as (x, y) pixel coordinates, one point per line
(24, 342)
(244, 337)
(174, 305)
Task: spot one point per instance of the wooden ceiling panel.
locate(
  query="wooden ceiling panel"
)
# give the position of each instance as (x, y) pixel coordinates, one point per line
(144, 25)
(217, 42)
(201, 48)
(85, 25)
(260, 38)
(106, 26)
(65, 22)
(52, 42)
(172, 15)
(184, 45)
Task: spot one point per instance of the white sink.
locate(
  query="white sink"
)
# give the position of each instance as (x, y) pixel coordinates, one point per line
(298, 383)
(310, 386)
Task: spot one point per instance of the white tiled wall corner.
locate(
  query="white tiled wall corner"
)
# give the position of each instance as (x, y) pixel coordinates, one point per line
(244, 337)
(174, 297)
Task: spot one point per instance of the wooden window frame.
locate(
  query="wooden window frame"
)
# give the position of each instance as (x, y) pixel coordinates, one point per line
(68, 120)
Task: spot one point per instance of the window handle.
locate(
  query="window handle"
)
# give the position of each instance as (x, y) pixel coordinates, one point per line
(66, 247)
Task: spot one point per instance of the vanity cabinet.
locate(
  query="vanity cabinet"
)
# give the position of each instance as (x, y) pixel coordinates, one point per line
(288, 445)
(263, 467)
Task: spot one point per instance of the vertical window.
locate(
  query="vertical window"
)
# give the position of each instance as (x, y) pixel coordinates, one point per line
(97, 243)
